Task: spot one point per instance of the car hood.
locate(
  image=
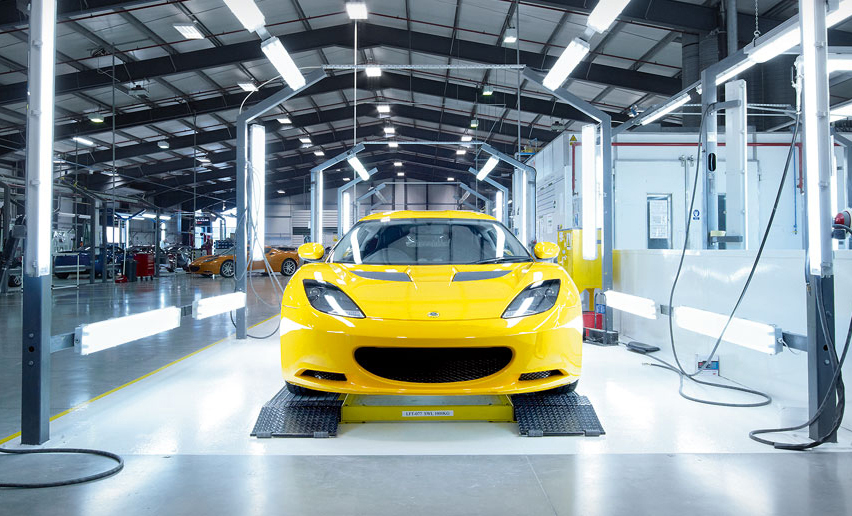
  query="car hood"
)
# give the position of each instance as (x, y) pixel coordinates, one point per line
(453, 292)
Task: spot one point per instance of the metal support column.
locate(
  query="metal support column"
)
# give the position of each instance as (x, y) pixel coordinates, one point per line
(242, 214)
(818, 162)
(731, 25)
(157, 242)
(93, 238)
(35, 352)
(105, 214)
(7, 213)
(707, 219)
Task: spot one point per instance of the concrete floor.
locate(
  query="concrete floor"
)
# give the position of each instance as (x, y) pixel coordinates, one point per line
(184, 432)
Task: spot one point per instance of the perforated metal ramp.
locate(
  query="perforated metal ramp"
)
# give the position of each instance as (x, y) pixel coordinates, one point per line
(558, 414)
(291, 415)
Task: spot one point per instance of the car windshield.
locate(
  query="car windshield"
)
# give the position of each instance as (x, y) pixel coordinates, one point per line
(429, 242)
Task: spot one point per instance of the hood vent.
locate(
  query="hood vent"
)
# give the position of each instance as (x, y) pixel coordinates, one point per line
(382, 275)
(478, 275)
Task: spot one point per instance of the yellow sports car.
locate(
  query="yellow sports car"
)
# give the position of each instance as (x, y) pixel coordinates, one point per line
(285, 262)
(430, 302)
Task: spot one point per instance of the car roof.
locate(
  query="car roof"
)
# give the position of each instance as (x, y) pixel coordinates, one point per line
(427, 214)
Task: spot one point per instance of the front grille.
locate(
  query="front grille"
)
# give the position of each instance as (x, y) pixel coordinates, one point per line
(323, 375)
(433, 365)
(539, 375)
(194, 268)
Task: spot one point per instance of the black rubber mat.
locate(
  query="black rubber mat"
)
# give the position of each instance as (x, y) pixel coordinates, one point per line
(292, 415)
(556, 414)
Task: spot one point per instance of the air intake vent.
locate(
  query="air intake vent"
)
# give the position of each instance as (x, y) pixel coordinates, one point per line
(322, 375)
(433, 365)
(539, 375)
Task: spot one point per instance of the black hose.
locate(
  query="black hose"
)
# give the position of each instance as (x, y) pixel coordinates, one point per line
(79, 480)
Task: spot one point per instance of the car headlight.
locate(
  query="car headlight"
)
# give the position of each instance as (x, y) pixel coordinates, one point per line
(329, 299)
(213, 259)
(535, 299)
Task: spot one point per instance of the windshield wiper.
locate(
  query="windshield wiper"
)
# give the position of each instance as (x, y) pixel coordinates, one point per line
(504, 259)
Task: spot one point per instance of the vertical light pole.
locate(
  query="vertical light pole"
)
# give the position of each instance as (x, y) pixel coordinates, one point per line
(817, 148)
(35, 381)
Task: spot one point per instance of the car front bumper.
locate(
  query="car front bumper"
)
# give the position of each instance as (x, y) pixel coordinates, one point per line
(313, 341)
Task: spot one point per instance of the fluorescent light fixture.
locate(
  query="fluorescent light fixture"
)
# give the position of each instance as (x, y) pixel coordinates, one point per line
(451, 178)
(83, 141)
(641, 306)
(210, 306)
(346, 209)
(356, 10)
(320, 204)
(604, 13)
(488, 91)
(347, 178)
(487, 168)
(460, 152)
(247, 13)
(840, 111)
(570, 58)
(149, 215)
(589, 191)
(811, 140)
(283, 63)
(247, 86)
(511, 36)
(319, 153)
(90, 338)
(732, 72)
(843, 11)
(163, 144)
(467, 138)
(355, 163)
(498, 205)
(305, 139)
(279, 191)
(767, 47)
(96, 118)
(383, 108)
(373, 71)
(742, 332)
(188, 30)
(202, 159)
(666, 109)
(393, 145)
(474, 123)
(389, 129)
(397, 163)
(257, 204)
(400, 174)
(839, 63)
(284, 120)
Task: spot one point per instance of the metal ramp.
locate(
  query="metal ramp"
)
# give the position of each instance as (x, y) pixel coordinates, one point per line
(292, 415)
(537, 415)
(557, 414)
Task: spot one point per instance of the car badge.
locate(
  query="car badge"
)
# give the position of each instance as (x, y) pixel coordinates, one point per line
(433, 314)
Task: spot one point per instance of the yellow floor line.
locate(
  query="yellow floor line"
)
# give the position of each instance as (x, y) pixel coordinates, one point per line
(131, 382)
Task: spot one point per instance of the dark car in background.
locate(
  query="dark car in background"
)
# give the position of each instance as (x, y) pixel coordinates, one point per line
(78, 261)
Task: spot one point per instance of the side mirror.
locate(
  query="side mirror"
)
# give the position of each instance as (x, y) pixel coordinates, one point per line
(546, 250)
(311, 251)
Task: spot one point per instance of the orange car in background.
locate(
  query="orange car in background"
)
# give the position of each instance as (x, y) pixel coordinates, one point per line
(285, 262)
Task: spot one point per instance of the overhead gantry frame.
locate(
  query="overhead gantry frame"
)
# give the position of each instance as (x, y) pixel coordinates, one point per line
(605, 122)
(243, 121)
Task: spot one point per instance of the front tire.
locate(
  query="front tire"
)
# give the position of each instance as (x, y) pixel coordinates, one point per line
(61, 275)
(227, 269)
(15, 281)
(302, 391)
(288, 267)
